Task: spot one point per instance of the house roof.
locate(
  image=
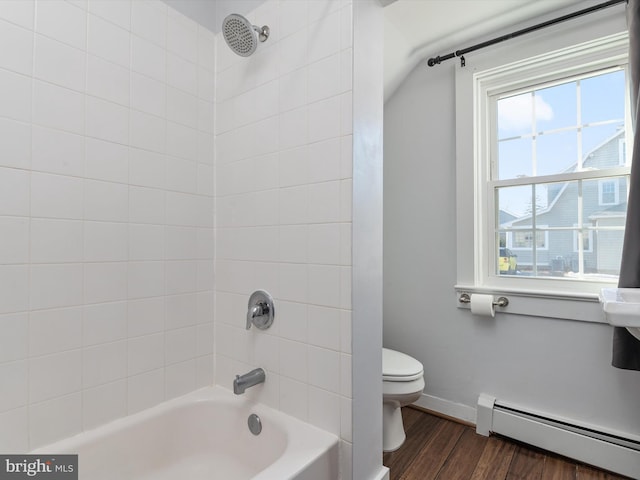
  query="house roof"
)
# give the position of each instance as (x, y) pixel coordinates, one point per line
(619, 210)
(504, 216)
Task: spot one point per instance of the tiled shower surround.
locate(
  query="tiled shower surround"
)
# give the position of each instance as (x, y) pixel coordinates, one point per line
(283, 209)
(119, 121)
(106, 213)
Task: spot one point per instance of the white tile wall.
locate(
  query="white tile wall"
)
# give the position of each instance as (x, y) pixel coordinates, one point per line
(106, 213)
(109, 115)
(17, 59)
(283, 185)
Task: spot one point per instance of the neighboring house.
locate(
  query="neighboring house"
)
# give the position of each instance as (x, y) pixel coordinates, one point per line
(604, 205)
(505, 217)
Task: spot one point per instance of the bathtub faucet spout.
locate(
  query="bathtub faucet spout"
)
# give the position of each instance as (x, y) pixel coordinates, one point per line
(242, 382)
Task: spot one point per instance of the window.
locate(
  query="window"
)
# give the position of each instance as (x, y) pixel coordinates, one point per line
(587, 240)
(546, 144)
(622, 152)
(608, 192)
(551, 173)
(523, 239)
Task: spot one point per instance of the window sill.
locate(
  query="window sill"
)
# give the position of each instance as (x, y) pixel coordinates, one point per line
(565, 306)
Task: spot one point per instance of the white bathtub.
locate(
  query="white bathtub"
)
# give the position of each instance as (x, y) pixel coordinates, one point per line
(203, 435)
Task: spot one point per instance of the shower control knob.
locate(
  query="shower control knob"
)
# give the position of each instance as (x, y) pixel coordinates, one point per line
(260, 310)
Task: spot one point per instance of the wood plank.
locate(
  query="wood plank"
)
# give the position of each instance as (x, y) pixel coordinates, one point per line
(438, 448)
(495, 460)
(586, 472)
(418, 435)
(526, 464)
(464, 457)
(435, 452)
(556, 468)
(410, 416)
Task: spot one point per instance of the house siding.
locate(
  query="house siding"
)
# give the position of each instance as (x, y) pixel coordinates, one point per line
(560, 253)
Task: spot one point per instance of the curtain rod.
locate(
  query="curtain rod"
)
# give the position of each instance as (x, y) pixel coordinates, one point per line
(459, 53)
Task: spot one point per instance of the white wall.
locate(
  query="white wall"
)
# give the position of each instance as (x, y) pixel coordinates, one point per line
(211, 13)
(106, 213)
(554, 366)
(367, 240)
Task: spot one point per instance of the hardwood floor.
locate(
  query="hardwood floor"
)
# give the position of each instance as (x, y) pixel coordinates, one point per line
(439, 449)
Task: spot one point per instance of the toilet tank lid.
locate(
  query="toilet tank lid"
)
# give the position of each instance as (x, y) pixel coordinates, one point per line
(398, 364)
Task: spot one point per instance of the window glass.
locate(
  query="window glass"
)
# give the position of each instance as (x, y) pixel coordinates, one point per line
(514, 203)
(602, 97)
(598, 153)
(556, 153)
(556, 107)
(571, 227)
(515, 158)
(515, 115)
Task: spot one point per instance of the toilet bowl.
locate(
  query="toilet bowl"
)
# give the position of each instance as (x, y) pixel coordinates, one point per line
(402, 384)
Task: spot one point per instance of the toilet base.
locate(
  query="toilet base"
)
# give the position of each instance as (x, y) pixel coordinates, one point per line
(393, 435)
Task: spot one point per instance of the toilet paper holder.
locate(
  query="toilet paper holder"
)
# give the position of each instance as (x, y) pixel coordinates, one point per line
(499, 302)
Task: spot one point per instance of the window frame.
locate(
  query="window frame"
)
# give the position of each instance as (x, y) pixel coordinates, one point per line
(476, 253)
(513, 78)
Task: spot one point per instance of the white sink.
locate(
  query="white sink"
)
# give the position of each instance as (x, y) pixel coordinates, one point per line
(621, 308)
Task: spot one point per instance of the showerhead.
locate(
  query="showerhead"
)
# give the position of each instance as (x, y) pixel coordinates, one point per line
(241, 36)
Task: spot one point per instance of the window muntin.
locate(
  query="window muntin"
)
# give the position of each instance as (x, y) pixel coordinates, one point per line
(570, 129)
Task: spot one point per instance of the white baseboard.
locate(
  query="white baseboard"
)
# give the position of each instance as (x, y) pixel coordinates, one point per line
(383, 474)
(448, 408)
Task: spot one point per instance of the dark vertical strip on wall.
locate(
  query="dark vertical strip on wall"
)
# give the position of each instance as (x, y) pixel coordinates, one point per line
(626, 348)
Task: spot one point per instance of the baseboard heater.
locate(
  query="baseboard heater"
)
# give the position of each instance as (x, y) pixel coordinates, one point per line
(616, 453)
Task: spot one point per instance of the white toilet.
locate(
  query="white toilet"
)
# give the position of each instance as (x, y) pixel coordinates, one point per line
(402, 384)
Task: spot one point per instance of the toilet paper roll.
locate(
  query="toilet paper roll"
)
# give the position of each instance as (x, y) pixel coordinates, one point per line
(482, 305)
